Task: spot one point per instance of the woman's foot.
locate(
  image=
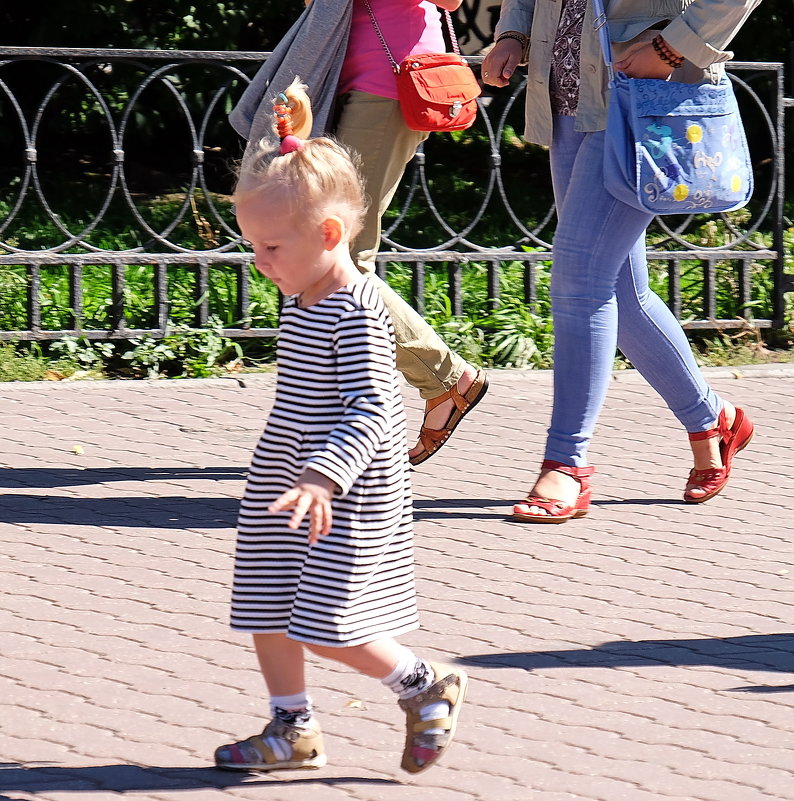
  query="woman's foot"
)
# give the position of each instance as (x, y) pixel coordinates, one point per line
(706, 451)
(444, 413)
(713, 451)
(561, 493)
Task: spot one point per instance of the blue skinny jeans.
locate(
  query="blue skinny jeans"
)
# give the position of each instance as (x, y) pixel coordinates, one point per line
(601, 300)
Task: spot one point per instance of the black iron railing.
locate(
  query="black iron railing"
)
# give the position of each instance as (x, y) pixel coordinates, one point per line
(466, 198)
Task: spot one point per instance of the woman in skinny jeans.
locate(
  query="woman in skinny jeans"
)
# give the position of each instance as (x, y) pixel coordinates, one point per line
(599, 286)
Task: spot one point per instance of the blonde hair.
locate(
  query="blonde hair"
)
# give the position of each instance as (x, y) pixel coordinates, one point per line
(319, 178)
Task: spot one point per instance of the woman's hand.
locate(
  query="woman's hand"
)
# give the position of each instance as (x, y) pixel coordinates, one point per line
(641, 61)
(312, 493)
(501, 62)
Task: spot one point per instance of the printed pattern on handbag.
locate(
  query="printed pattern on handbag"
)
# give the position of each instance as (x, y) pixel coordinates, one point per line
(676, 148)
(688, 146)
(669, 147)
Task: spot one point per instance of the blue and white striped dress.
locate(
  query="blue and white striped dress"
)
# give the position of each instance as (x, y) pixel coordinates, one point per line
(338, 410)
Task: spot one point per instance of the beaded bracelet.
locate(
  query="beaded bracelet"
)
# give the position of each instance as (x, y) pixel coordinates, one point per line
(519, 37)
(665, 53)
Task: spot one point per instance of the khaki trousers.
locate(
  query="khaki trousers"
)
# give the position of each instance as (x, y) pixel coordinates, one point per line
(373, 126)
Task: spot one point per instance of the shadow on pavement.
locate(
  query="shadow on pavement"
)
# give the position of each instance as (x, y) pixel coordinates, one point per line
(767, 652)
(448, 508)
(454, 508)
(130, 512)
(131, 778)
(48, 477)
(170, 511)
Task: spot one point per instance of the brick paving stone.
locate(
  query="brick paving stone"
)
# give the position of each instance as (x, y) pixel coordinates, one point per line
(643, 653)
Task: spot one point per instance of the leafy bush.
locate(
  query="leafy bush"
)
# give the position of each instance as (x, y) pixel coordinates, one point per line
(17, 365)
(184, 353)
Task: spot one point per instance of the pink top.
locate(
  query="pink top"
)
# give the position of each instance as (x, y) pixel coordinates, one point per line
(409, 27)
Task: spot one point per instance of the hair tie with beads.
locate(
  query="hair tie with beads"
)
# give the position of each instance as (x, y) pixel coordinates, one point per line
(283, 112)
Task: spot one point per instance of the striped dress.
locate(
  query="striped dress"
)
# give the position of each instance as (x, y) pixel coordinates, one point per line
(338, 410)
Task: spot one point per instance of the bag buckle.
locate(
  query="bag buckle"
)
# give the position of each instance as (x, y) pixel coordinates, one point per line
(455, 109)
(600, 21)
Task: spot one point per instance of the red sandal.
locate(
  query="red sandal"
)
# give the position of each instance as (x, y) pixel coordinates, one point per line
(557, 511)
(734, 439)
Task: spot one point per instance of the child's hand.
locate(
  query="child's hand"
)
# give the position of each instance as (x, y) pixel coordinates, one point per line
(312, 493)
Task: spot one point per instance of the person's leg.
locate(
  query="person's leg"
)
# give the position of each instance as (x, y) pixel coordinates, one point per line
(373, 127)
(376, 659)
(652, 339)
(292, 739)
(593, 236)
(591, 265)
(430, 694)
(647, 331)
(281, 661)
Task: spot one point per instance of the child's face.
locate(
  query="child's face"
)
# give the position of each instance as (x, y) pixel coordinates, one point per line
(289, 250)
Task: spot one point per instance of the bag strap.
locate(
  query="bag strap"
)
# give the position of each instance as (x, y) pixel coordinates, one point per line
(601, 26)
(394, 65)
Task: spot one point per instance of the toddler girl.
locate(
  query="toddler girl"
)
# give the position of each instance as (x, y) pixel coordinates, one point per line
(324, 557)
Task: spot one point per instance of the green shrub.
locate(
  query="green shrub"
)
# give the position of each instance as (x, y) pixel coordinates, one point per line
(20, 366)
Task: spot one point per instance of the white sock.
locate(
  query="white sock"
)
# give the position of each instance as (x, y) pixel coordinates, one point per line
(291, 703)
(412, 676)
(295, 709)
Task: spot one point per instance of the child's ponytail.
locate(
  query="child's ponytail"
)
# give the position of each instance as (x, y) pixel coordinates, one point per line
(294, 117)
(315, 177)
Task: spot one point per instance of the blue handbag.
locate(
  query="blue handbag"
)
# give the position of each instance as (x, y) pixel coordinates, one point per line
(673, 148)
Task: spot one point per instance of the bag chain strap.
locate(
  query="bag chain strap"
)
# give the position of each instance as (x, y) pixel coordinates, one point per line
(394, 65)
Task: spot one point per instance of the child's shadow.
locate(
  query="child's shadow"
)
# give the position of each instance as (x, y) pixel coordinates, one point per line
(46, 778)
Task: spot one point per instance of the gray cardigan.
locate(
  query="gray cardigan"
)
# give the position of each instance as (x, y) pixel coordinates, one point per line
(313, 49)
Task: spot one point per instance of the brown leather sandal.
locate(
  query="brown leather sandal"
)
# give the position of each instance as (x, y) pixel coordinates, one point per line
(305, 744)
(431, 439)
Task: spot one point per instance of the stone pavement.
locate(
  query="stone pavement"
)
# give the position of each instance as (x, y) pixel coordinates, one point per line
(645, 652)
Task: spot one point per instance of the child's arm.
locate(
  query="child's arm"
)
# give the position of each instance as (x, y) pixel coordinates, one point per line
(366, 374)
(312, 493)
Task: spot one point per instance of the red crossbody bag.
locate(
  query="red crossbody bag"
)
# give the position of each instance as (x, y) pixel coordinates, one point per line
(437, 91)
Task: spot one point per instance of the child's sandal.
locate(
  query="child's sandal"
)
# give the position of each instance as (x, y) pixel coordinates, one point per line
(254, 754)
(422, 750)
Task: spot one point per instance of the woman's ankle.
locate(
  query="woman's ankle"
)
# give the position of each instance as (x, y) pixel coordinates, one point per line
(556, 486)
(729, 410)
(466, 379)
(706, 452)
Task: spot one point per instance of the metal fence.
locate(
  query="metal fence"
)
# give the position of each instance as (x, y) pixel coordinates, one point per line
(464, 201)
